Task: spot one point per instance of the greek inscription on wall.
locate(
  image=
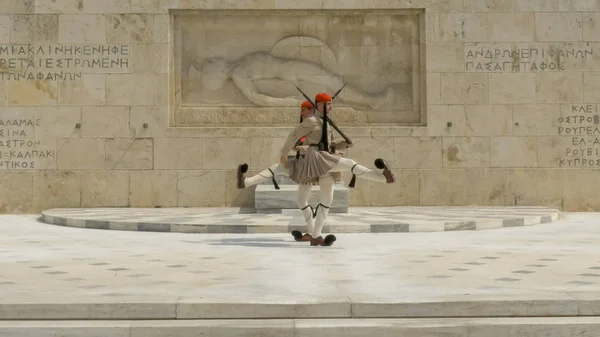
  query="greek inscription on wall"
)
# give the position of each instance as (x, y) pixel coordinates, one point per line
(541, 59)
(582, 127)
(16, 151)
(61, 62)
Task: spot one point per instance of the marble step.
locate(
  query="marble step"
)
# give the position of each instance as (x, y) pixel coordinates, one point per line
(269, 200)
(431, 327)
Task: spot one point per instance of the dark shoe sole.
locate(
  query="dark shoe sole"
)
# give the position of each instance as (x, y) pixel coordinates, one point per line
(328, 241)
(387, 173)
(241, 175)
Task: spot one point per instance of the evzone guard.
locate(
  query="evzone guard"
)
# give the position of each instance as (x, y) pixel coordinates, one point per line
(317, 164)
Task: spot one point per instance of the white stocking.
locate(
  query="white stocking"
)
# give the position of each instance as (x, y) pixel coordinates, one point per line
(326, 189)
(347, 164)
(275, 169)
(307, 211)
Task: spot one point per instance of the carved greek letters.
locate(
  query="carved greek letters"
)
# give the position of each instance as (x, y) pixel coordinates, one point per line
(61, 62)
(507, 59)
(582, 129)
(17, 150)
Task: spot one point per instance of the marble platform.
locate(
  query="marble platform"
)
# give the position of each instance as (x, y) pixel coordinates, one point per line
(357, 220)
(268, 200)
(521, 281)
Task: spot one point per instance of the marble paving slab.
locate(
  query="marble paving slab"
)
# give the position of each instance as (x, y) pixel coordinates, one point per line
(357, 220)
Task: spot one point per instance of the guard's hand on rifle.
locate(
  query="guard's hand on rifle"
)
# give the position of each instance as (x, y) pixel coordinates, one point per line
(283, 160)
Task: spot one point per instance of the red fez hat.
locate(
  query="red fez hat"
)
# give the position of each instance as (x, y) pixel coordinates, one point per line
(306, 104)
(323, 97)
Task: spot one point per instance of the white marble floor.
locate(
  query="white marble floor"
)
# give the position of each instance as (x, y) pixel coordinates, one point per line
(553, 267)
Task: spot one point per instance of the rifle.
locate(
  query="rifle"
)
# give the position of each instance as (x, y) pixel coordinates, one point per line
(327, 117)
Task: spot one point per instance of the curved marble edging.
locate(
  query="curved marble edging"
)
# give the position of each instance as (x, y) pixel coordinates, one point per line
(358, 220)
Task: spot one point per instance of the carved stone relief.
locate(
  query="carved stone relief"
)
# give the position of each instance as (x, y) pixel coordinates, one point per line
(254, 59)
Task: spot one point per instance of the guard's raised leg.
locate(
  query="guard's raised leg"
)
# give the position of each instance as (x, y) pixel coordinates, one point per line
(382, 174)
(270, 173)
(321, 212)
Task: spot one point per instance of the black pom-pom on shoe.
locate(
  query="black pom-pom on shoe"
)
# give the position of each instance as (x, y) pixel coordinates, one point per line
(241, 176)
(297, 235)
(329, 240)
(387, 173)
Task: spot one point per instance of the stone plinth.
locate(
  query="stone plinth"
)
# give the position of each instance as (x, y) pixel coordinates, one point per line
(269, 200)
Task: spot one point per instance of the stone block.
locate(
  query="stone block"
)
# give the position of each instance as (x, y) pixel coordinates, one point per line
(42, 28)
(4, 92)
(445, 57)
(150, 58)
(513, 151)
(106, 6)
(404, 192)
(551, 150)
(57, 122)
(417, 152)
(56, 189)
(563, 87)
(33, 93)
(543, 6)
(129, 28)
(464, 187)
(58, 6)
(201, 189)
(90, 89)
(264, 152)
(81, 153)
(466, 152)
(106, 121)
(504, 6)
(434, 88)
(438, 6)
(366, 150)
(130, 89)
(535, 119)
(224, 153)
(5, 29)
(558, 27)
(105, 188)
(591, 26)
(153, 188)
(81, 28)
(18, 6)
(464, 88)
(156, 118)
(17, 194)
(456, 27)
(511, 27)
(269, 200)
(512, 88)
(161, 28)
(161, 91)
(154, 6)
(446, 120)
(488, 120)
(591, 87)
(536, 187)
(580, 192)
(178, 153)
(126, 153)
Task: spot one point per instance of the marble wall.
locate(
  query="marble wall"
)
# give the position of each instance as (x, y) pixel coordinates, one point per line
(125, 102)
